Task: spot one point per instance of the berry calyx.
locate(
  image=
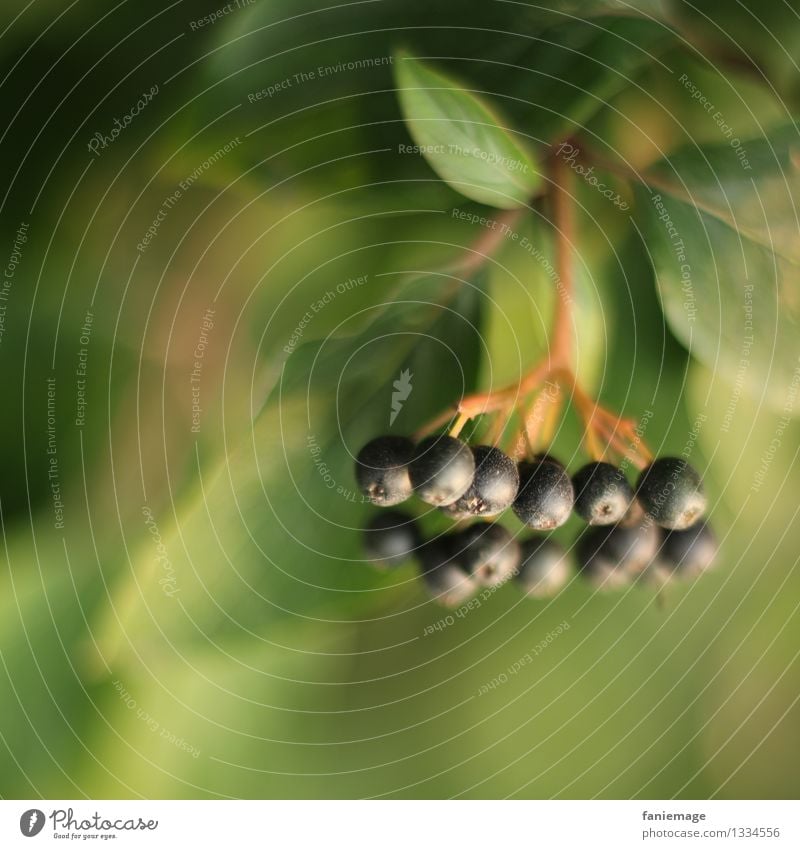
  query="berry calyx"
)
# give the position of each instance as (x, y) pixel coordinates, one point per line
(602, 494)
(441, 469)
(489, 553)
(544, 568)
(382, 470)
(494, 486)
(391, 538)
(546, 496)
(671, 493)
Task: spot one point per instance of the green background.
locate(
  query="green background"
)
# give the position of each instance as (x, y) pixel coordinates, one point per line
(283, 666)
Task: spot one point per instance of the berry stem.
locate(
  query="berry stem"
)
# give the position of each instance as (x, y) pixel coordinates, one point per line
(458, 426)
(604, 430)
(555, 403)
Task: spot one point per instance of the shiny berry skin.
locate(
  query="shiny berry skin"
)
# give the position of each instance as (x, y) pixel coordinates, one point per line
(444, 578)
(671, 493)
(544, 569)
(488, 553)
(546, 496)
(493, 488)
(689, 553)
(613, 556)
(441, 469)
(602, 494)
(382, 470)
(391, 538)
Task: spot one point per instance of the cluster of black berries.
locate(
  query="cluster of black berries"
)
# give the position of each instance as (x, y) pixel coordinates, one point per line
(456, 565)
(654, 530)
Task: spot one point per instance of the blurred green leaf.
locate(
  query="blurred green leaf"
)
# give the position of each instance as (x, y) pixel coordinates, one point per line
(722, 227)
(761, 38)
(242, 553)
(464, 140)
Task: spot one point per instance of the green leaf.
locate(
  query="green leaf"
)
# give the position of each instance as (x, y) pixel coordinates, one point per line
(463, 139)
(275, 530)
(721, 224)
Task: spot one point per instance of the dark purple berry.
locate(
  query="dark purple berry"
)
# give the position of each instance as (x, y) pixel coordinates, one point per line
(671, 493)
(544, 569)
(688, 553)
(391, 538)
(488, 553)
(602, 494)
(545, 496)
(613, 556)
(441, 470)
(382, 470)
(493, 487)
(443, 576)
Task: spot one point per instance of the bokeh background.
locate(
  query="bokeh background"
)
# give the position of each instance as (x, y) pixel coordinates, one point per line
(184, 607)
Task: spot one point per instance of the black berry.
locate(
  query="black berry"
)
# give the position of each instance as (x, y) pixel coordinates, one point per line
(488, 553)
(441, 470)
(612, 556)
(493, 487)
(671, 492)
(443, 576)
(382, 470)
(689, 553)
(544, 569)
(545, 496)
(391, 538)
(602, 494)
